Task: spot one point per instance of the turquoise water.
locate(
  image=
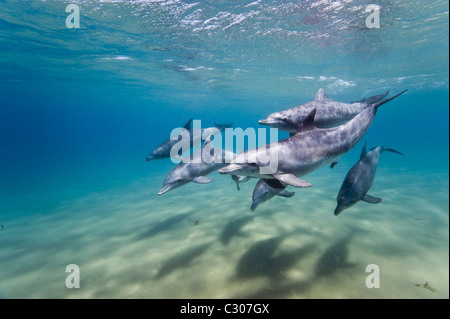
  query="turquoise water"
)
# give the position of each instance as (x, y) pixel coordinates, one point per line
(80, 109)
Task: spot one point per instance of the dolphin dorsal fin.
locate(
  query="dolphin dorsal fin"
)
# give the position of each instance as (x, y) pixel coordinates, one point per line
(308, 123)
(188, 125)
(363, 152)
(321, 95)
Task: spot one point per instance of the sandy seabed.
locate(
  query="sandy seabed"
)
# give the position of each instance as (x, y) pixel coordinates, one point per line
(202, 241)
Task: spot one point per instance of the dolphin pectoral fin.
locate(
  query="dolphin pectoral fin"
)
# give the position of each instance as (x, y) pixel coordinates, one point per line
(291, 179)
(371, 199)
(202, 180)
(286, 194)
(308, 123)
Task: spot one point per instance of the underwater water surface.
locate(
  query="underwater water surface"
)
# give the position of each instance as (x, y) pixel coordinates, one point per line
(81, 108)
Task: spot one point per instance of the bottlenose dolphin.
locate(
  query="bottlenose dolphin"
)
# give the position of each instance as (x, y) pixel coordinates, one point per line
(265, 189)
(359, 180)
(197, 167)
(163, 150)
(329, 113)
(309, 149)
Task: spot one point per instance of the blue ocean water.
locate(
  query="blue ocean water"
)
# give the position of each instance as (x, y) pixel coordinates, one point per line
(81, 108)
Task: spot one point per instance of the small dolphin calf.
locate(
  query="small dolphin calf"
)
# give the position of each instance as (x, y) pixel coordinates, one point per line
(359, 180)
(309, 149)
(329, 113)
(163, 150)
(240, 179)
(265, 189)
(200, 164)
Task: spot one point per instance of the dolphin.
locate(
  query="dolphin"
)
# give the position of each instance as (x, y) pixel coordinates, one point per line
(240, 179)
(359, 180)
(163, 150)
(329, 113)
(309, 149)
(197, 167)
(265, 189)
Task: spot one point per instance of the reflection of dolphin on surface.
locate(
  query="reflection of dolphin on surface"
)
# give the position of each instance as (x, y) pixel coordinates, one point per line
(181, 260)
(329, 113)
(359, 180)
(163, 226)
(334, 258)
(309, 149)
(163, 150)
(265, 189)
(234, 229)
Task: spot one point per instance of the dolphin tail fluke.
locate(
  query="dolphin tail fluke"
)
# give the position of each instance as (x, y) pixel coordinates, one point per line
(372, 99)
(378, 104)
(391, 150)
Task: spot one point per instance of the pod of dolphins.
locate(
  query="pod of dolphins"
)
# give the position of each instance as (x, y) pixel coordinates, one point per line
(321, 131)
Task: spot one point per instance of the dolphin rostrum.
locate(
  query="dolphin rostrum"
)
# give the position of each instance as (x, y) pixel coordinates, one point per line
(309, 149)
(265, 189)
(197, 166)
(163, 150)
(329, 113)
(359, 180)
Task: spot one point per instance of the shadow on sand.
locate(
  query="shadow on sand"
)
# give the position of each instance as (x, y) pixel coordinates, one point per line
(334, 258)
(262, 260)
(234, 229)
(163, 226)
(181, 260)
